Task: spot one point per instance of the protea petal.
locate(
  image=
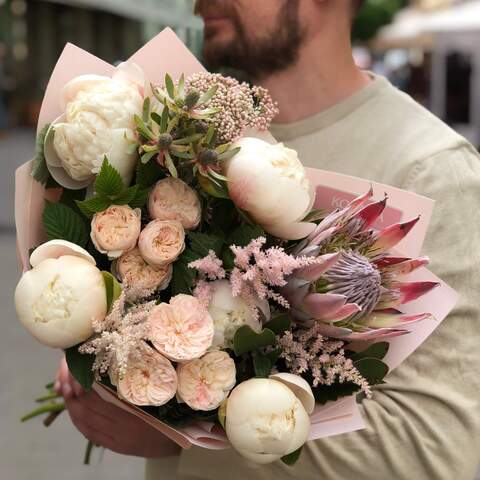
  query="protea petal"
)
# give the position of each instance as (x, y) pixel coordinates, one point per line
(314, 272)
(370, 214)
(323, 305)
(295, 291)
(375, 334)
(391, 236)
(328, 330)
(410, 291)
(323, 235)
(346, 311)
(402, 266)
(387, 320)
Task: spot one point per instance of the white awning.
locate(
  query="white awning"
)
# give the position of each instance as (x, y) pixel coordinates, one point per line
(174, 13)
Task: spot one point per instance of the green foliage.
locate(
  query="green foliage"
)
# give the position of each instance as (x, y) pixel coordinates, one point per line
(113, 289)
(377, 350)
(373, 369)
(202, 243)
(373, 15)
(110, 190)
(62, 222)
(247, 340)
(179, 414)
(240, 237)
(80, 366)
(262, 365)
(280, 323)
(39, 169)
(148, 174)
(183, 278)
(292, 458)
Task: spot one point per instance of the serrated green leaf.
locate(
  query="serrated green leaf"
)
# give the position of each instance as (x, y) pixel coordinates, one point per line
(372, 369)
(202, 243)
(292, 458)
(169, 85)
(244, 234)
(247, 340)
(69, 197)
(377, 350)
(279, 323)
(94, 205)
(146, 109)
(262, 365)
(140, 198)
(80, 367)
(208, 95)
(108, 182)
(126, 196)
(113, 289)
(39, 168)
(61, 222)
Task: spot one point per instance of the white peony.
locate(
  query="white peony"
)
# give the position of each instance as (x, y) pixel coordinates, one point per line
(265, 419)
(60, 298)
(270, 183)
(98, 122)
(228, 313)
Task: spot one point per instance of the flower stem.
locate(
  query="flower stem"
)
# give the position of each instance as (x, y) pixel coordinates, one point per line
(47, 421)
(50, 396)
(88, 453)
(51, 407)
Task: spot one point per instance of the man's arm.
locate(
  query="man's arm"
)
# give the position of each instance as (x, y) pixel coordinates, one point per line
(424, 424)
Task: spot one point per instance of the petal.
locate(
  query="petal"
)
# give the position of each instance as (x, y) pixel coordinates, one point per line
(404, 266)
(314, 272)
(391, 236)
(295, 291)
(323, 235)
(412, 290)
(371, 213)
(346, 311)
(323, 305)
(376, 334)
(331, 331)
(384, 320)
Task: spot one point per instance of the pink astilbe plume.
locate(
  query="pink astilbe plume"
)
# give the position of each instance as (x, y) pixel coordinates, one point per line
(119, 337)
(256, 271)
(307, 351)
(210, 266)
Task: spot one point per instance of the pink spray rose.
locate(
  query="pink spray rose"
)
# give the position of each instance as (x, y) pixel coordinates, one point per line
(204, 383)
(173, 199)
(116, 230)
(161, 242)
(181, 330)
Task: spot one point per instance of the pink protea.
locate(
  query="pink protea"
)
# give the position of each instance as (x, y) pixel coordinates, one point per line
(355, 288)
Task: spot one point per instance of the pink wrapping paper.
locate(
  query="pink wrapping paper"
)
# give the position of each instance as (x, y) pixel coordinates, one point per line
(166, 53)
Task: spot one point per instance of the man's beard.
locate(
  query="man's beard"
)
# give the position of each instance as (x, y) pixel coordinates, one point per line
(258, 57)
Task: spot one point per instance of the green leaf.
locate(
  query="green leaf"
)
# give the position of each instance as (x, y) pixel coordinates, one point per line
(228, 154)
(156, 118)
(372, 369)
(292, 458)
(113, 289)
(244, 234)
(378, 350)
(330, 393)
(108, 181)
(247, 340)
(80, 366)
(69, 197)
(183, 278)
(202, 243)
(274, 355)
(279, 323)
(187, 140)
(148, 174)
(314, 215)
(143, 129)
(262, 365)
(146, 157)
(164, 120)
(61, 222)
(39, 168)
(146, 109)
(169, 85)
(93, 205)
(170, 165)
(140, 198)
(181, 85)
(208, 95)
(126, 196)
(172, 123)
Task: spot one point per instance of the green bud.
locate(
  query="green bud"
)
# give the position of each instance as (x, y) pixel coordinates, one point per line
(208, 157)
(192, 98)
(164, 141)
(201, 126)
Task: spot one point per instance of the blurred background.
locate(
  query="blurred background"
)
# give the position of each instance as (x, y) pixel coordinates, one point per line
(428, 48)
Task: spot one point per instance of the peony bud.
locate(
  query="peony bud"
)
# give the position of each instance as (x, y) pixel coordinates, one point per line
(173, 199)
(269, 182)
(60, 298)
(265, 420)
(116, 230)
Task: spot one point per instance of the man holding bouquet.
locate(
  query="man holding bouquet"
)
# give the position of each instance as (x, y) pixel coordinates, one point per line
(342, 119)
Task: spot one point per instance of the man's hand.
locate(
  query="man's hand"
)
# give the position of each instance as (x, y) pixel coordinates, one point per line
(107, 425)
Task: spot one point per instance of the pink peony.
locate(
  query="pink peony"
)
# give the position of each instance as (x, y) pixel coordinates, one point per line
(181, 330)
(116, 230)
(150, 379)
(173, 199)
(204, 383)
(133, 270)
(161, 242)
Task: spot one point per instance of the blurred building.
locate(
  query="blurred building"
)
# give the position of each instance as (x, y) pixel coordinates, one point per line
(34, 32)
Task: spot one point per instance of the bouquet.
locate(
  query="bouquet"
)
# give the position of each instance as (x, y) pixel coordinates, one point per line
(196, 274)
